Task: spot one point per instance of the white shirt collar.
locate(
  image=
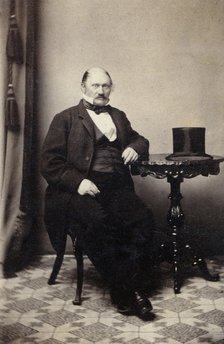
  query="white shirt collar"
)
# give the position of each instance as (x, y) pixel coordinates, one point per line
(104, 123)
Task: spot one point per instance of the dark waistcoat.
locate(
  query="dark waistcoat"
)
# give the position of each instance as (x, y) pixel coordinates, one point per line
(107, 155)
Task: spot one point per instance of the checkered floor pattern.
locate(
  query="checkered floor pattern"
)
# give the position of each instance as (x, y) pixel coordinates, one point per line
(31, 311)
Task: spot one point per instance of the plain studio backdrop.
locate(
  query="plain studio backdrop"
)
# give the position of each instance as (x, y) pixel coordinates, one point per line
(166, 58)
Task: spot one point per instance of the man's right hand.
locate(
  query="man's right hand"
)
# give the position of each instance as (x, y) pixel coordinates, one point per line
(88, 187)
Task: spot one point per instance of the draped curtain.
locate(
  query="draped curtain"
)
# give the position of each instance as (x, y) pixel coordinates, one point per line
(17, 108)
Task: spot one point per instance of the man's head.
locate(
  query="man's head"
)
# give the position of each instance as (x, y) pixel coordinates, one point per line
(96, 84)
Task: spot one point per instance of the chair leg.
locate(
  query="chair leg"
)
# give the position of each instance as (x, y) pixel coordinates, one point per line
(79, 261)
(56, 268)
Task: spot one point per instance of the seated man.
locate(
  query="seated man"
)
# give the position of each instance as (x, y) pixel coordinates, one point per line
(85, 160)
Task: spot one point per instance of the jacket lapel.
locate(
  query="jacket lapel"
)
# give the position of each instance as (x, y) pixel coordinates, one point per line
(118, 123)
(86, 119)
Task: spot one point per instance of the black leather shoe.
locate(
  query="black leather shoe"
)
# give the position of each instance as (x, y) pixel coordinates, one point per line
(143, 307)
(134, 303)
(122, 299)
(126, 309)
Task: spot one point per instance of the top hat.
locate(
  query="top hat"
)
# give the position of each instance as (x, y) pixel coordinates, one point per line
(188, 143)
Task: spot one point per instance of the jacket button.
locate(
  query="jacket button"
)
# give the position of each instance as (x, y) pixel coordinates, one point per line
(87, 158)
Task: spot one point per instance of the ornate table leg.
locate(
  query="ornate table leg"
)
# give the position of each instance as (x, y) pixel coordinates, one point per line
(175, 219)
(201, 263)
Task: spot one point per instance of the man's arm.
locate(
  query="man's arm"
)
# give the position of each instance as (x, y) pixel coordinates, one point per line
(137, 142)
(54, 166)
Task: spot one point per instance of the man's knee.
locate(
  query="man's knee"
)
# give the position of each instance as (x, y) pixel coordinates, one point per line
(87, 210)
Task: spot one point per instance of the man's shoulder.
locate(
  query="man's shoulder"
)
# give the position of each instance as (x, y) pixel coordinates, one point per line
(72, 110)
(75, 111)
(68, 114)
(65, 117)
(116, 110)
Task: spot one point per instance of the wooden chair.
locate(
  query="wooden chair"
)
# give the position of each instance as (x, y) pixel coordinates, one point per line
(78, 253)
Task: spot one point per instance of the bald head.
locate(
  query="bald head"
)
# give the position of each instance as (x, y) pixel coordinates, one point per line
(96, 85)
(95, 71)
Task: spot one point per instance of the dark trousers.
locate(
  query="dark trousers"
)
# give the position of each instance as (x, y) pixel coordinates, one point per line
(117, 230)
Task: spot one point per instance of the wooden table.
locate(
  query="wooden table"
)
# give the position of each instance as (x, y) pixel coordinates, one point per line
(175, 171)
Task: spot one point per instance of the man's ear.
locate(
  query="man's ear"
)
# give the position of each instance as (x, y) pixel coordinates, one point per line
(83, 88)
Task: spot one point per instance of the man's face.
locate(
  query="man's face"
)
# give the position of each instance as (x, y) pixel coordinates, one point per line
(98, 87)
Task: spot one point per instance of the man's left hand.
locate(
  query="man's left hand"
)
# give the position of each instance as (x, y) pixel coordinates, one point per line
(129, 155)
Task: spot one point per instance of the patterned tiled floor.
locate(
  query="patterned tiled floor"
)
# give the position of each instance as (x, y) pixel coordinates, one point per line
(31, 311)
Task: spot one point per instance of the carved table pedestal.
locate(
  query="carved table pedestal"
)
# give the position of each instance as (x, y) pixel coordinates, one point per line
(176, 247)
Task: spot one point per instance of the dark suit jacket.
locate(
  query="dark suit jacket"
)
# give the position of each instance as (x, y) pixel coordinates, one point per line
(66, 160)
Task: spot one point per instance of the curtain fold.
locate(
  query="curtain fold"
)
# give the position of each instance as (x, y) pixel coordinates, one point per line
(17, 175)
